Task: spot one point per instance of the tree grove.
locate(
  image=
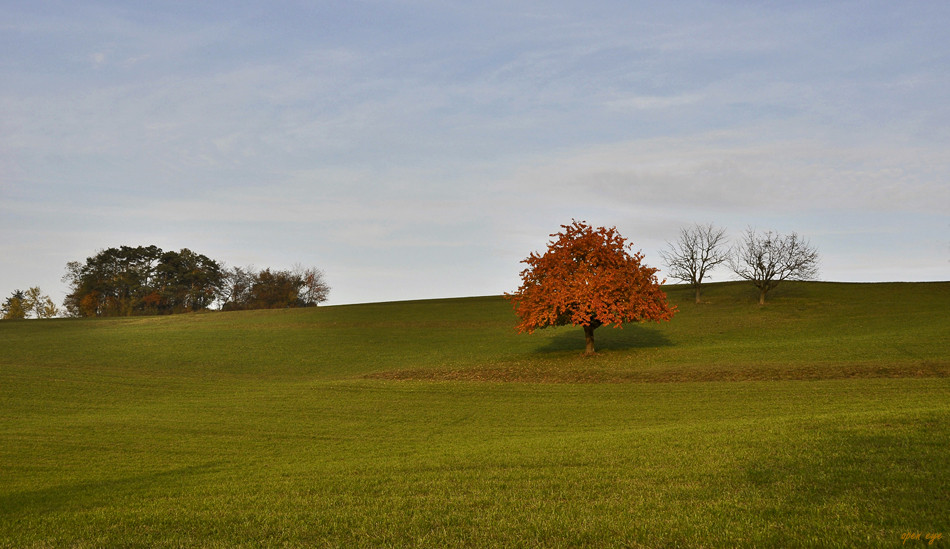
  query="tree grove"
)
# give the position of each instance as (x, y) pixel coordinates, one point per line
(146, 280)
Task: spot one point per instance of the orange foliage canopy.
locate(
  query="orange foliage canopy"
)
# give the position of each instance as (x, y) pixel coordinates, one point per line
(588, 277)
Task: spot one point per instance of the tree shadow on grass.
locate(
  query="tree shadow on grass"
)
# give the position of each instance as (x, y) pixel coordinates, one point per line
(631, 336)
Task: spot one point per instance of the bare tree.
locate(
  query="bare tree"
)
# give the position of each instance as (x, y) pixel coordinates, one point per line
(236, 289)
(769, 258)
(698, 249)
(314, 288)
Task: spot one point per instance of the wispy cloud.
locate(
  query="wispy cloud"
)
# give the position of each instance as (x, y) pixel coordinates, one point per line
(364, 134)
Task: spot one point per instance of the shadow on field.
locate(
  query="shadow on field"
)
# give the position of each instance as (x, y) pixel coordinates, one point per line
(631, 336)
(96, 493)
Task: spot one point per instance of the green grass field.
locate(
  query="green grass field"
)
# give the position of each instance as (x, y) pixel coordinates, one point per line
(819, 420)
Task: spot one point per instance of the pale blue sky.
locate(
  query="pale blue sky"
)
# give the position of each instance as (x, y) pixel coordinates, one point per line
(421, 149)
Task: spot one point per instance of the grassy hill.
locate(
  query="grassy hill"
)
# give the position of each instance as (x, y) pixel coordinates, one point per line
(821, 419)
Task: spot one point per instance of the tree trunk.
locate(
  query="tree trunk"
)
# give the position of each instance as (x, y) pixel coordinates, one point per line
(762, 296)
(589, 337)
(697, 294)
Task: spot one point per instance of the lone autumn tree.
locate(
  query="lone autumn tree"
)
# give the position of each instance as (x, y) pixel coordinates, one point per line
(767, 259)
(698, 249)
(588, 277)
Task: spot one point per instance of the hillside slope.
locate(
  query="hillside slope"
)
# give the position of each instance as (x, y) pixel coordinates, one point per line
(807, 331)
(287, 429)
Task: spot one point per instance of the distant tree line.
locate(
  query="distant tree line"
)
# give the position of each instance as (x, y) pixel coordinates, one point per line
(146, 280)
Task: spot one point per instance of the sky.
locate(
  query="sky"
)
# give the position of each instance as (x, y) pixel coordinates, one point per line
(416, 149)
